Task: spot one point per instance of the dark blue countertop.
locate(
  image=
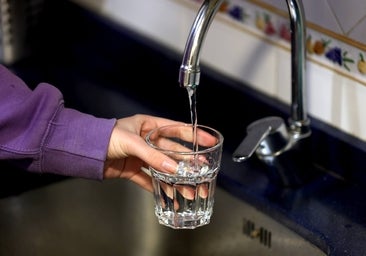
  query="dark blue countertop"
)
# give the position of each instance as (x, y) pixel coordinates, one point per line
(91, 59)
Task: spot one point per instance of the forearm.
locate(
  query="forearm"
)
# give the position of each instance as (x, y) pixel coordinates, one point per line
(42, 135)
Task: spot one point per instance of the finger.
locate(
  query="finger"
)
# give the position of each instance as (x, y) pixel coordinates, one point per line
(143, 180)
(186, 133)
(184, 190)
(154, 158)
(163, 143)
(203, 190)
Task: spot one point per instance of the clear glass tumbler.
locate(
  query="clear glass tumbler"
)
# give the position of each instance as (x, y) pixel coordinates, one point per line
(185, 199)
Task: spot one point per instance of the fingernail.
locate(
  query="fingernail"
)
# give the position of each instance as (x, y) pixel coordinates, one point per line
(169, 166)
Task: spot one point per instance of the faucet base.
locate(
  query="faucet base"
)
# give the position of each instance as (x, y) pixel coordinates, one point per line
(299, 129)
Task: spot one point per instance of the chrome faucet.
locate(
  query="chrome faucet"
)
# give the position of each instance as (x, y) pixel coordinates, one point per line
(268, 137)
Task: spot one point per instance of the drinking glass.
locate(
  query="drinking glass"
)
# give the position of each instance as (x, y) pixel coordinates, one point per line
(185, 199)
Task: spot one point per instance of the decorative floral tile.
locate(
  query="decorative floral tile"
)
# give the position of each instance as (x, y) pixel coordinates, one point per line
(332, 53)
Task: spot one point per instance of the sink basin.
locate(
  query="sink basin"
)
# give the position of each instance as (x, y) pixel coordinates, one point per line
(115, 217)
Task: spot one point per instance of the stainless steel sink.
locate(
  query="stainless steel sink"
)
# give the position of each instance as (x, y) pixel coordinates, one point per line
(81, 217)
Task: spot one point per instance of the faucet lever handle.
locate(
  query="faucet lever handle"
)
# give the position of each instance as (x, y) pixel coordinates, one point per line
(266, 136)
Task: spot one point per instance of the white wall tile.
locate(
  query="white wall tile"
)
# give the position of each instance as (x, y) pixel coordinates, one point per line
(319, 12)
(320, 92)
(283, 65)
(349, 107)
(247, 59)
(361, 114)
(358, 33)
(158, 19)
(348, 13)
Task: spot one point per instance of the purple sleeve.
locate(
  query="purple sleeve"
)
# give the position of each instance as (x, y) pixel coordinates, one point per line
(41, 135)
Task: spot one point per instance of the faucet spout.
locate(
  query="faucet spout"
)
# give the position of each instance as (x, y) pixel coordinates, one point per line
(189, 73)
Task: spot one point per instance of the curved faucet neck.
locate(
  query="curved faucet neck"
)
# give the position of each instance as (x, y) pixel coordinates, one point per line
(189, 74)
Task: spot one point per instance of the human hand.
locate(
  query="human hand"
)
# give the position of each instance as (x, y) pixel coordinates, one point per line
(128, 151)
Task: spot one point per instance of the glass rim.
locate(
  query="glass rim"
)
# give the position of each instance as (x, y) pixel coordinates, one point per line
(219, 136)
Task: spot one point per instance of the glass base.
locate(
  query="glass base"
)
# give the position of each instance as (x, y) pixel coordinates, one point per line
(186, 221)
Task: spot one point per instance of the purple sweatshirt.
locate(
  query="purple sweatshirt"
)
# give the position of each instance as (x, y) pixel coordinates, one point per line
(40, 135)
